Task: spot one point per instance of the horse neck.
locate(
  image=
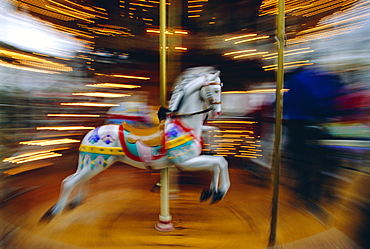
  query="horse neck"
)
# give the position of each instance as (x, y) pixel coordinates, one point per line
(191, 104)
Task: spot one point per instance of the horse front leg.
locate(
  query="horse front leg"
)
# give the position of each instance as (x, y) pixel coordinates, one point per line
(219, 168)
(225, 180)
(213, 188)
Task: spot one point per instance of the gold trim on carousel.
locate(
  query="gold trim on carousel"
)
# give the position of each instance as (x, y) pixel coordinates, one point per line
(102, 150)
(178, 141)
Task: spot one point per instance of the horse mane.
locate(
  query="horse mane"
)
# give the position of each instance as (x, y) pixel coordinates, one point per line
(183, 79)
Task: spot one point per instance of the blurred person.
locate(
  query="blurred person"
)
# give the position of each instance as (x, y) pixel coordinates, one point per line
(310, 102)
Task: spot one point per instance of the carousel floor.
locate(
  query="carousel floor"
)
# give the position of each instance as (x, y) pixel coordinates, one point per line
(121, 211)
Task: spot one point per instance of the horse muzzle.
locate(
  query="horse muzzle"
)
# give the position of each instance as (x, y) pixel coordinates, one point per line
(216, 109)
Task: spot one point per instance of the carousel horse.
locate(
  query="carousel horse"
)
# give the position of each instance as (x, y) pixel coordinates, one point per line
(175, 142)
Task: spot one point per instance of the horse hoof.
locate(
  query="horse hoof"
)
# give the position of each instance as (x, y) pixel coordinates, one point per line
(206, 194)
(73, 204)
(48, 216)
(216, 197)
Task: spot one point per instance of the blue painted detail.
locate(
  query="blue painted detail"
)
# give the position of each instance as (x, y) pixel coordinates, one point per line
(131, 147)
(93, 156)
(94, 136)
(173, 133)
(108, 141)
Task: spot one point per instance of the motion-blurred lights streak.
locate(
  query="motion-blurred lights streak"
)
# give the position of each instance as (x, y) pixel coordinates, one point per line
(229, 140)
(47, 142)
(225, 145)
(32, 156)
(241, 36)
(245, 156)
(103, 95)
(255, 91)
(91, 104)
(39, 157)
(68, 13)
(289, 52)
(239, 52)
(27, 68)
(157, 31)
(248, 55)
(39, 64)
(66, 128)
(232, 122)
(289, 66)
(142, 5)
(287, 63)
(75, 115)
(73, 9)
(123, 76)
(181, 32)
(113, 85)
(24, 168)
(252, 39)
(233, 131)
(234, 136)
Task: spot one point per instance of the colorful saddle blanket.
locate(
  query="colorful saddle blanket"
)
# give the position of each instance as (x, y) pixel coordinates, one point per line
(176, 141)
(181, 142)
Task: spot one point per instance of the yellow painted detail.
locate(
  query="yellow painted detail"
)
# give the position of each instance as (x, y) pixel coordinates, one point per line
(178, 141)
(102, 150)
(180, 154)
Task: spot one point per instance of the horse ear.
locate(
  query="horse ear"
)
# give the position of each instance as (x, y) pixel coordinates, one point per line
(217, 74)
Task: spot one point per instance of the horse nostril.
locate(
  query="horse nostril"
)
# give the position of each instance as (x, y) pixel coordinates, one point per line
(218, 113)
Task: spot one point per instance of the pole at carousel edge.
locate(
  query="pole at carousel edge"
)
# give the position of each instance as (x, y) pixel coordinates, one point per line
(278, 124)
(165, 220)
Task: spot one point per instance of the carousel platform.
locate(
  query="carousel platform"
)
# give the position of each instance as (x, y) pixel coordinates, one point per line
(123, 205)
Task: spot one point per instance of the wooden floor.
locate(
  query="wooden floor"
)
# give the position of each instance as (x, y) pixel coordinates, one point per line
(121, 211)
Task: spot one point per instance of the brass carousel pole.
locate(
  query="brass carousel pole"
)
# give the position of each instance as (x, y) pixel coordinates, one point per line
(278, 123)
(165, 220)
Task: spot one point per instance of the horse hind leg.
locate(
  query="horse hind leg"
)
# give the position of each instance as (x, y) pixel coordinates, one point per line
(82, 191)
(67, 186)
(85, 172)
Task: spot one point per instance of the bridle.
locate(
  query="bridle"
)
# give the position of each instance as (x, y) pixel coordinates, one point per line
(174, 114)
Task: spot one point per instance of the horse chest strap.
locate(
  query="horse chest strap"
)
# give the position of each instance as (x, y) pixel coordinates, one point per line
(102, 150)
(178, 141)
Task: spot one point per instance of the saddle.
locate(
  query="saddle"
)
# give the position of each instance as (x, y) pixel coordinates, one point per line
(151, 137)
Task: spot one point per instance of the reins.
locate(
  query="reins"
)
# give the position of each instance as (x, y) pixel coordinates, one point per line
(164, 113)
(176, 115)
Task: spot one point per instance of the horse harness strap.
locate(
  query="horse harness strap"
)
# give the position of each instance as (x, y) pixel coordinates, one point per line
(175, 115)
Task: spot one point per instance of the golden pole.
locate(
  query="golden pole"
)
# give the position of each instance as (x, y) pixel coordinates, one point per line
(278, 129)
(165, 220)
(162, 52)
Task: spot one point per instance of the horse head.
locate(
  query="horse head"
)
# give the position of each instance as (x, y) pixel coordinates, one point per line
(202, 80)
(210, 93)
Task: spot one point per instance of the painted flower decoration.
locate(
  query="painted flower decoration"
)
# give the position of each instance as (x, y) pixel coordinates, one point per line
(108, 137)
(94, 136)
(173, 133)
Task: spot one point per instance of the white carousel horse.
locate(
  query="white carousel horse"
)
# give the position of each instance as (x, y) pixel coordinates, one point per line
(177, 141)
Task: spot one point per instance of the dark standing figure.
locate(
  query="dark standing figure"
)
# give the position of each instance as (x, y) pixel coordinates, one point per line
(309, 102)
